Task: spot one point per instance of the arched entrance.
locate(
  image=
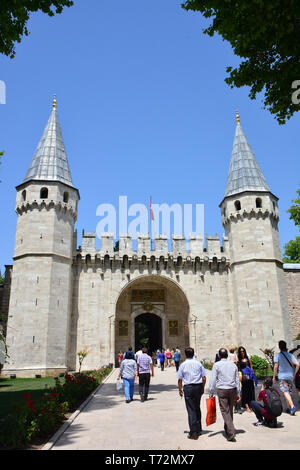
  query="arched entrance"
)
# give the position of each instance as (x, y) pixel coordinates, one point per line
(148, 332)
(153, 309)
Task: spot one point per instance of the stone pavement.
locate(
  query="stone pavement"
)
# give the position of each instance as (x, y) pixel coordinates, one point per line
(160, 423)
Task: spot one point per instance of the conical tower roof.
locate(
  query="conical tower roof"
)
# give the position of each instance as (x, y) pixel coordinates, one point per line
(244, 171)
(50, 160)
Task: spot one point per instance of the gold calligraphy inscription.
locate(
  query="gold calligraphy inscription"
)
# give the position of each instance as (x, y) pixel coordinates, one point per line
(173, 327)
(123, 327)
(148, 295)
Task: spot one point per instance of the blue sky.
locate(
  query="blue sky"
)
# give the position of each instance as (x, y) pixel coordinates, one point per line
(144, 110)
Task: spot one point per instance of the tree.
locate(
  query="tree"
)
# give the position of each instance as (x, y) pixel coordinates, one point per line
(294, 210)
(14, 15)
(266, 34)
(292, 251)
(292, 248)
(81, 356)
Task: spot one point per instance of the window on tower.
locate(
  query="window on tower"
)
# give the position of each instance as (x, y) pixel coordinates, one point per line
(44, 193)
(66, 197)
(24, 195)
(258, 203)
(237, 205)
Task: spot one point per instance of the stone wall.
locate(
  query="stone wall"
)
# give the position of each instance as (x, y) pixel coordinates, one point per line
(292, 278)
(4, 299)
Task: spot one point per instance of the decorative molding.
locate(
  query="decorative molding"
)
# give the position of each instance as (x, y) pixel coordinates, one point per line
(27, 206)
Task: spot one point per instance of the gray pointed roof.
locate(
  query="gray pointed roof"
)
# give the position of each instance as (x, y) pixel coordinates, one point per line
(50, 159)
(244, 171)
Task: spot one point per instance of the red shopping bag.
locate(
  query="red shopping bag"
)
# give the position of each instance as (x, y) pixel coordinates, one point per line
(211, 413)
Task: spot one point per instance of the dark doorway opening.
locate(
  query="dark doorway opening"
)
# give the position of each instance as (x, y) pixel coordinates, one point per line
(148, 332)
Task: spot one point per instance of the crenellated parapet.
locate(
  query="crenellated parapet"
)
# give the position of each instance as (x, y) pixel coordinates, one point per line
(185, 254)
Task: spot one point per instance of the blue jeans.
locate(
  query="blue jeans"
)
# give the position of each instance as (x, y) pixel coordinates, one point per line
(257, 408)
(128, 388)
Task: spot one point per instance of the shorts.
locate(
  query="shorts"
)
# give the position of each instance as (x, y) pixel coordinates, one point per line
(286, 386)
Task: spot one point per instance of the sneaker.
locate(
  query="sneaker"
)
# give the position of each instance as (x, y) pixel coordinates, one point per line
(231, 438)
(259, 423)
(292, 411)
(142, 398)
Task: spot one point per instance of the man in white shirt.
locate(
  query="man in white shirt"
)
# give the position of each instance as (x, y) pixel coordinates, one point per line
(138, 354)
(191, 381)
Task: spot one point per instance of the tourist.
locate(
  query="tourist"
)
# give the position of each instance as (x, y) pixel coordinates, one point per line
(297, 378)
(261, 411)
(168, 356)
(120, 357)
(130, 351)
(191, 382)
(248, 378)
(128, 372)
(176, 358)
(225, 381)
(287, 367)
(172, 357)
(157, 358)
(162, 358)
(232, 356)
(292, 351)
(217, 358)
(144, 364)
(138, 353)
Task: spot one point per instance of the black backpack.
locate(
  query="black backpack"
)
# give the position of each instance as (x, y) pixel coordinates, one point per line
(274, 405)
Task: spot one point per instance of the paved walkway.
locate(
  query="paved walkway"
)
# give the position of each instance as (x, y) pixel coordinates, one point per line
(160, 423)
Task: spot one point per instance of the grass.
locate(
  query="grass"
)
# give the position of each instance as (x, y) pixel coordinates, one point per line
(12, 391)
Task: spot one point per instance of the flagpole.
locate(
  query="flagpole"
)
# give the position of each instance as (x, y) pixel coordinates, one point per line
(151, 229)
(150, 224)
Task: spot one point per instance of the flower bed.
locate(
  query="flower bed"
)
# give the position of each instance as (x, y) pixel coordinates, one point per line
(35, 420)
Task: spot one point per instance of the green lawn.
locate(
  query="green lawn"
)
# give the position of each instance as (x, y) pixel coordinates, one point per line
(12, 391)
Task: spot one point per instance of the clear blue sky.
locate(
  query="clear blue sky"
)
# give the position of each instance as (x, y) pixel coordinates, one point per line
(144, 111)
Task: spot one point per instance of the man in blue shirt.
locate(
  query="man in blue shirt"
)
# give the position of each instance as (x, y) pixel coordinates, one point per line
(162, 357)
(191, 381)
(176, 358)
(225, 381)
(287, 367)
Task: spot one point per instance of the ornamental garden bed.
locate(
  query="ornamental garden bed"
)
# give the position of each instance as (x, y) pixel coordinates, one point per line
(32, 410)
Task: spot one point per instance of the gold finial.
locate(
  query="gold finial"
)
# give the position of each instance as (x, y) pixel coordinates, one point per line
(237, 117)
(54, 102)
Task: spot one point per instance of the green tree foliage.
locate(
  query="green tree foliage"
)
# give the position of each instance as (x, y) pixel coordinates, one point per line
(292, 251)
(294, 210)
(292, 248)
(14, 15)
(266, 35)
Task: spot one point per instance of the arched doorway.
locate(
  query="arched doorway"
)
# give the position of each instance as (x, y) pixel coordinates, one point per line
(148, 332)
(159, 305)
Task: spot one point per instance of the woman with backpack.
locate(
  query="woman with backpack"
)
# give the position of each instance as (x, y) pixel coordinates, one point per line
(244, 365)
(272, 408)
